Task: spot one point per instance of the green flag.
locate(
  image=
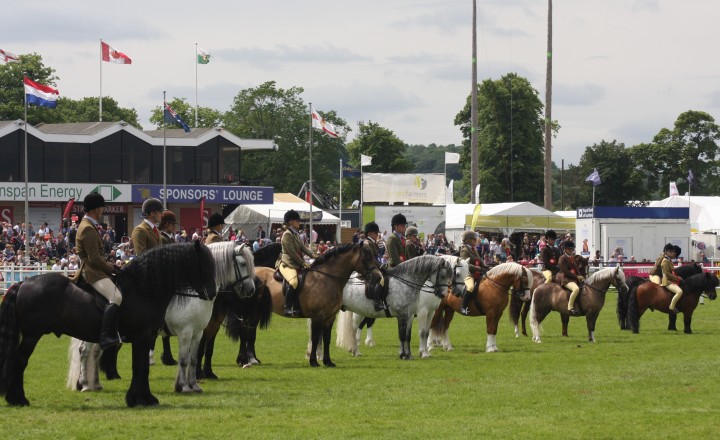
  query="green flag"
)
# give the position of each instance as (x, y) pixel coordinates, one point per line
(202, 56)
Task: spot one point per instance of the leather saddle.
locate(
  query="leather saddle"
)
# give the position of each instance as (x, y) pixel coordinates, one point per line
(277, 276)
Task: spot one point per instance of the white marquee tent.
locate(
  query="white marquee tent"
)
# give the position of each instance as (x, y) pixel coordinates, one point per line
(704, 211)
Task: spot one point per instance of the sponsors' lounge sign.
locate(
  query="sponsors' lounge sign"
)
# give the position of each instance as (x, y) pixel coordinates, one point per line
(410, 188)
(238, 195)
(62, 192)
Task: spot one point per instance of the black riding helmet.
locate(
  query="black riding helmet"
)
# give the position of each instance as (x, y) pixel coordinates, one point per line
(398, 219)
(669, 247)
(291, 215)
(151, 205)
(372, 227)
(550, 234)
(678, 251)
(93, 201)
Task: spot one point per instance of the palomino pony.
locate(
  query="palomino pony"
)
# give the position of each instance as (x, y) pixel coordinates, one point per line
(684, 271)
(428, 301)
(320, 295)
(186, 317)
(405, 282)
(490, 301)
(654, 297)
(51, 303)
(590, 300)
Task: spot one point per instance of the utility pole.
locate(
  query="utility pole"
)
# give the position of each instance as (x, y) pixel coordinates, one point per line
(548, 115)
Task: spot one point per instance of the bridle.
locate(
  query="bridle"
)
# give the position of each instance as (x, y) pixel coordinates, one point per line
(239, 278)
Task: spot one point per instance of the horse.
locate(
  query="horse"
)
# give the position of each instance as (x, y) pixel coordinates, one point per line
(590, 300)
(654, 297)
(245, 315)
(51, 303)
(427, 303)
(490, 300)
(683, 271)
(405, 282)
(320, 295)
(185, 318)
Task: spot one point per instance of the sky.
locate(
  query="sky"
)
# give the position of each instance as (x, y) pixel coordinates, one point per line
(622, 69)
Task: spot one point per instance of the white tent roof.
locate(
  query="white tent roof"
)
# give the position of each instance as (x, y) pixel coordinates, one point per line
(704, 211)
(567, 214)
(250, 216)
(457, 214)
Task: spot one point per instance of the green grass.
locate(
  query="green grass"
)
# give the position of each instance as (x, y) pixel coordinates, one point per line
(657, 384)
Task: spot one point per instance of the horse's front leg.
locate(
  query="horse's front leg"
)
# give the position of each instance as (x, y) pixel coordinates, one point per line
(591, 319)
(492, 321)
(209, 350)
(252, 356)
(139, 391)
(424, 318)
(449, 314)
(672, 321)
(167, 356)
(565, 319)
(94, 359)
(15, 391)
(316, 329)
(687, 320)
(327, 334)
(404, 337)
(184, 347)
(369, 340)
(524, 315)
(192, 364)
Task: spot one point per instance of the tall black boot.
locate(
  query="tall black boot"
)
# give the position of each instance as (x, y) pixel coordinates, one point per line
(467, 296)
(290, 302)
(378, 300)
(108, 329)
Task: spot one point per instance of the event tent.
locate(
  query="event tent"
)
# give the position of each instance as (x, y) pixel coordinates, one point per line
(704, 211)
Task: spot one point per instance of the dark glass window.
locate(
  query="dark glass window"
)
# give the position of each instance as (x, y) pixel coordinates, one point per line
(35, 160)
(229, 164)
(11, 152)
(206, 170)
(136, 159)
(181, 165)
(106, 159)
(64, 163)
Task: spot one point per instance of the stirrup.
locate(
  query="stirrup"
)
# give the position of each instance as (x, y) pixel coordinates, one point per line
(465, 311)
(573, 311)
(291, 312)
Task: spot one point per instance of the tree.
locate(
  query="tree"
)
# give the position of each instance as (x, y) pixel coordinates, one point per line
(86, 110)
(385, 148)
(621, 182)
(207, 117)
(12, 91)
(269, 112)
(510, 140)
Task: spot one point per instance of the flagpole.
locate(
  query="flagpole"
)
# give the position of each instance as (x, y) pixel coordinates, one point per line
(100, 79)
(164, 197)
(27, 208)
(311, 182)
(362, 181)
(338, 236)
(196, 83)
(445, 175)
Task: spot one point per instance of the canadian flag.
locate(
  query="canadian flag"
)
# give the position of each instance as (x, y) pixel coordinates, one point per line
(112, 55)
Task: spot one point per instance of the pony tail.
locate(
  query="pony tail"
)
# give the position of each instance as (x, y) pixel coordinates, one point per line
(633, 320)
(622, 310)
(9, 338)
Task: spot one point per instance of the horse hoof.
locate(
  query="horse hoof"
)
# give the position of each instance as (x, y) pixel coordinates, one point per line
(370, 343)
(21, 401)
(186, 390)
(449, 348)
(196, 389)
(168, 360)
(425, 356)
(209, 375)
(329, 364)
(314, 364)
(246, 366)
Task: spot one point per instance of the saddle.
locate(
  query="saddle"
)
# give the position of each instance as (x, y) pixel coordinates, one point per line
(277, 276)
(370, 286)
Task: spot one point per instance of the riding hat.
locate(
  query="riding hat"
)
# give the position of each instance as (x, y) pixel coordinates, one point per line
(215, 219)
(372, 227)
(168, 218)
(468, 235)
(398, 219)
(569, 244)
(552, 235)
(669, 247)
(412, 230)
(150, 205)
(92, 201)
(291, 215)
(678, 251)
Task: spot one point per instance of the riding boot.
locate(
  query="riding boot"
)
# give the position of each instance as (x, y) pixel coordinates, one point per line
(109, 336)
(378, 300)
(290, 302)
(467, 296)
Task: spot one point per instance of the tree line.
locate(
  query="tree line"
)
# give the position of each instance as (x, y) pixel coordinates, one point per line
(510, 142)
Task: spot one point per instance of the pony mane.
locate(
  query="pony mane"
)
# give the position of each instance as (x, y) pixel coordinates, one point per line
(332, 253)
(267, 255)
(506, 268)
(605, 274)
(224, 254)
(423, 264)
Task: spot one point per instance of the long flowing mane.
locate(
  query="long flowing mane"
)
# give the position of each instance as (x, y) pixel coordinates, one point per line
(160, 272)
(267, 255)
(423, 264)
(506, 268)
(334, 252)
(605, 274)
(224, 254)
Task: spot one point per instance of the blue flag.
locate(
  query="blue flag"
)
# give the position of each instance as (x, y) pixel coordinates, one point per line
(349, 170)
(594, 177)
(169, 115)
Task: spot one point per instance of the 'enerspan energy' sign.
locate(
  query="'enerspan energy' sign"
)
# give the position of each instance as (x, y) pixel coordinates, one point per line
(62, 192)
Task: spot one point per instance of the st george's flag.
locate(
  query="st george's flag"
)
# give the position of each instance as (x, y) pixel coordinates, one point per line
(112, 55)
(8, 57)
(40, 94)
(321, 124)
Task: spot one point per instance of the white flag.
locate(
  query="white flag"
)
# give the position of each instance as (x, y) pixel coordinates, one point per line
(321, 124)
(365, 160)
(449, 199)
(452, 158)
(673, 189)
(477, 193)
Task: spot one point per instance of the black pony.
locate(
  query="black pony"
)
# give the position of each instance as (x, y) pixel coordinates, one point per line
(53, 304)
(684, 271)
(242, 318)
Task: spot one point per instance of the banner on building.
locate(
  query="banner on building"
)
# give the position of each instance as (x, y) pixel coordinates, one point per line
(410, 188)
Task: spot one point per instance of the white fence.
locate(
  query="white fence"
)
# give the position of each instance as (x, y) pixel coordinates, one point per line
(14, 274)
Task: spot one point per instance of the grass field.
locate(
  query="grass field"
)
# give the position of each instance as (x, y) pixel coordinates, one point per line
(657, 384)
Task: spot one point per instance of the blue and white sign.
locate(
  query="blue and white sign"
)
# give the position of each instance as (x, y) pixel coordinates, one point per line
(237, 195)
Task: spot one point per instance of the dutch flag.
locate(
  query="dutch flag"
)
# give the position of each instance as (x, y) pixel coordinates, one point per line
(39, 94)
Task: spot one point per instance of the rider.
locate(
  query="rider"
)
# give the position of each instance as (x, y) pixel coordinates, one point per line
(468, 251)
(395, 243)
(664, 267)
(372, 230)
(168, 222)
(215, 225)
(291, 259)
(146, 235)
(549, 256)
(413, 246)
(96, 270)
(570, 274)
